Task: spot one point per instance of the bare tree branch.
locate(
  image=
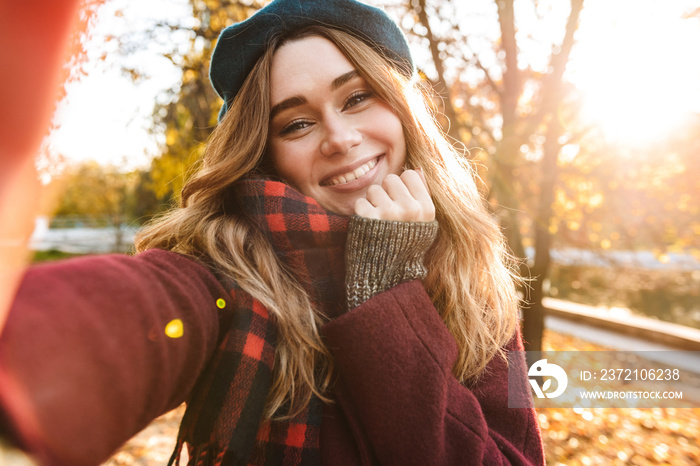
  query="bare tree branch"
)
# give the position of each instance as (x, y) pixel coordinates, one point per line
(495, 87)
(558, 61)
(439, 68)
(511, 74)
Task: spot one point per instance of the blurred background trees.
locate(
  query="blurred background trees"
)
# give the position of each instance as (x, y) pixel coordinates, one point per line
(107, 193)
(554, 180)
(191, 113)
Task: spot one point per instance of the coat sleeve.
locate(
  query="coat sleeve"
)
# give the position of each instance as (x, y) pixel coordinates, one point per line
(85, 360)
(394, 357)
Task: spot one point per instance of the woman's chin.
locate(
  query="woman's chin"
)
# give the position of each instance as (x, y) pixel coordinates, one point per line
(345, 210)
(340, 207)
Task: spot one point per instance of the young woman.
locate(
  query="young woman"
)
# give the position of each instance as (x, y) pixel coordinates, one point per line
(331, 290)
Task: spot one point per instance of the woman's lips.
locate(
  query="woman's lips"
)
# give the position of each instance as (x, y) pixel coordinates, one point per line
(359, 178)
(351, 175)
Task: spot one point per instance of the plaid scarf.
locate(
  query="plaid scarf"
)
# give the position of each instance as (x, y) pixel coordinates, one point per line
(222, 424)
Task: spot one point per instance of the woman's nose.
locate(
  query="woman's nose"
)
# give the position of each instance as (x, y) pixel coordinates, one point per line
(341, 136)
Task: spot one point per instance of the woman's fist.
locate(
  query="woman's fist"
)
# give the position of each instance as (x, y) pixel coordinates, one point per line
(402, 198)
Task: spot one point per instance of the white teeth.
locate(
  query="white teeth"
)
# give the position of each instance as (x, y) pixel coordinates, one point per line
(353, 175)
(359, 172)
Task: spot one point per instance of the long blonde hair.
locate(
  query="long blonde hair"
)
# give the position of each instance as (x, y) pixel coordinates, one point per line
(469, 280)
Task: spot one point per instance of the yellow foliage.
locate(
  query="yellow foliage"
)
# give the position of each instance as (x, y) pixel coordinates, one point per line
(171, 136)
(189, 76)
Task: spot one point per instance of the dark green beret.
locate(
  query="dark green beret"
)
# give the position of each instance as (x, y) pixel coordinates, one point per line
(240, 46)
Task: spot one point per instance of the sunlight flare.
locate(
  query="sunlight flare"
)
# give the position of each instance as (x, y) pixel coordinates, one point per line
(637, 76)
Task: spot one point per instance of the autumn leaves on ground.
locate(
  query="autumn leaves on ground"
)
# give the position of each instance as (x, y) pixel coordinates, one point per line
(617, 436)
(612, 436)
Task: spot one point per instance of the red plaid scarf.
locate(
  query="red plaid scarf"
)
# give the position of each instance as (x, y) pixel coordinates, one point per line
(222, 424)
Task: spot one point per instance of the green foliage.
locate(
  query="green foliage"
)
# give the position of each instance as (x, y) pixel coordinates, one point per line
(52, 255)
(93, 190)
(104, 192)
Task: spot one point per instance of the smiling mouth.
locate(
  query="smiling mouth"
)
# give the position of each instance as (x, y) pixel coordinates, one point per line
(351, 176)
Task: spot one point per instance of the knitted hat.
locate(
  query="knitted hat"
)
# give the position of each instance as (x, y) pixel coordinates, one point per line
(240, 46)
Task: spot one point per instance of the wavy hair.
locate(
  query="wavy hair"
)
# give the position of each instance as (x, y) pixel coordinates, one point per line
(469, 277)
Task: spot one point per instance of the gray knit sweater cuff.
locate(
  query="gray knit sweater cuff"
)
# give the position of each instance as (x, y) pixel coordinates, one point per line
(381, 254)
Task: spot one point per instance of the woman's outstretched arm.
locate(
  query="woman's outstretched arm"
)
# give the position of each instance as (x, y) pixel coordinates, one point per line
(34, 39)
(92, 351)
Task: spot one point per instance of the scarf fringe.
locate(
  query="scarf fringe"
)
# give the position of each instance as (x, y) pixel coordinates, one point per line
(203, 455)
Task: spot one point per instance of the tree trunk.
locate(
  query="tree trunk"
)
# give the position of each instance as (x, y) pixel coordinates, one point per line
(533, 327)
(533, 316)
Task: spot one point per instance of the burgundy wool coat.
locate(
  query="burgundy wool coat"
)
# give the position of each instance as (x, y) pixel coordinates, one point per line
(103, 318)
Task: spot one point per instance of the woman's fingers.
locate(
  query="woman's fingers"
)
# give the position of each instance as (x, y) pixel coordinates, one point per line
(364, 208)
(418, 187)
(402, 198)
(19, 199)
(422, 177)
(404, 207)
(378, 196)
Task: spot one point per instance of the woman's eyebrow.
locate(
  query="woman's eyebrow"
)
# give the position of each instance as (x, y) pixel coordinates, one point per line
(343, 78)
(285, 104)
(298, 100)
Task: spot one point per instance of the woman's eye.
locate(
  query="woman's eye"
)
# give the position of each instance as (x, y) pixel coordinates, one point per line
(296, 125)
(357, 98)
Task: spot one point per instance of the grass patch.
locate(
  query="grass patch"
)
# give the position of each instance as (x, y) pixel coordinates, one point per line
(52, 255)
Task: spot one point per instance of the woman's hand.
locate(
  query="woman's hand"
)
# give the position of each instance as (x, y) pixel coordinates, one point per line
(381, 254)
(27, 93)
(402, 198)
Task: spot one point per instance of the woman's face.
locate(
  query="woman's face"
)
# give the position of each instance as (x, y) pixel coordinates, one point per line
(330, 137)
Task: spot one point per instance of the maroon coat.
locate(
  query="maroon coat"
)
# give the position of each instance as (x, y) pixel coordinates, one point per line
(85, 364)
